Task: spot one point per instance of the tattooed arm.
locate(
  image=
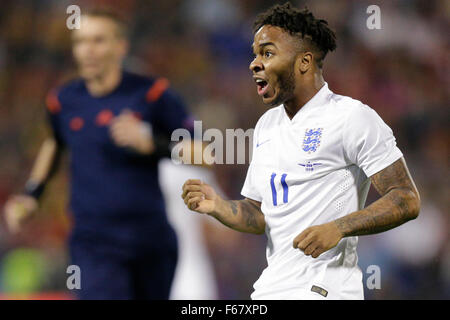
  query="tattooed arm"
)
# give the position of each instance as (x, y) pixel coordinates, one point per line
(241, 215)
(399, 203)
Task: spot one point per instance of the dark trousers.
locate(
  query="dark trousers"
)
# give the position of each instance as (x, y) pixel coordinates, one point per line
(114, 272)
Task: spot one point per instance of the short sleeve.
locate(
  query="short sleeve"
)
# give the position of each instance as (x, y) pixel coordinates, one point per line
(54, 107)
(248, 189)
(368, 141)
(172, 113)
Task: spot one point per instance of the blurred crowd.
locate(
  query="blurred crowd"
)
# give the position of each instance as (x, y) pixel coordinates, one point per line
(203, 48)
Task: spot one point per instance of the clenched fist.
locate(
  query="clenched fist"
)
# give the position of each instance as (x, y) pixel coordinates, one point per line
(315, 240)
(128, 131)
(17, 210)
(199, 196)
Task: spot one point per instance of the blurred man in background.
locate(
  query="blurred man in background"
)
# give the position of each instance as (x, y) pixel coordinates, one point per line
(107, 121)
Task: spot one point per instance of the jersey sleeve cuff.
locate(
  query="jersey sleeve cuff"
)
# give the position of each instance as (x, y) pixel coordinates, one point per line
(251, 195)
(384, 163)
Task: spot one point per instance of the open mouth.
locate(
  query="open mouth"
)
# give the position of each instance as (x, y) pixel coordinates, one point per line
(262, 86)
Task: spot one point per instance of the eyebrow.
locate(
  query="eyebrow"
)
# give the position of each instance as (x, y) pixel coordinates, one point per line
(264, 44)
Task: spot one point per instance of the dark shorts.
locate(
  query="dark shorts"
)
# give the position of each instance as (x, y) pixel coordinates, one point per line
(111, 271)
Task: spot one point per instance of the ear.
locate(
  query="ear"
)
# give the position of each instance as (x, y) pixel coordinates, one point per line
(305, 61)
(124, 47)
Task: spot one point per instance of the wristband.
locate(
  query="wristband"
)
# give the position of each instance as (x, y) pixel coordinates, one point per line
(146, 129)
(34, 189)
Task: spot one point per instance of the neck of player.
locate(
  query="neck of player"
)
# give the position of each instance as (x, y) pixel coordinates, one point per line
(305, 90)
(105, 83)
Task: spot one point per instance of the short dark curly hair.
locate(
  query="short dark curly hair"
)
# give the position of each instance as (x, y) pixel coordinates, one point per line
(300, 23)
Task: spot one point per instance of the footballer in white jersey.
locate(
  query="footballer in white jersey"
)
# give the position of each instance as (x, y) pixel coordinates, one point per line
(310, 170)
(315, 154)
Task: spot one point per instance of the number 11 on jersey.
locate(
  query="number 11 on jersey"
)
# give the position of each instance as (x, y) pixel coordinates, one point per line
(274, 190)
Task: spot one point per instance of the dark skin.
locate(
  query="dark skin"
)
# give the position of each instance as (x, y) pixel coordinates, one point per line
(241, 215)
(280, 59)
(293, 78)
(399, 203)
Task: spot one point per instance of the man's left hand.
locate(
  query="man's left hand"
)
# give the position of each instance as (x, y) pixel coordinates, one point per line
(128, 131)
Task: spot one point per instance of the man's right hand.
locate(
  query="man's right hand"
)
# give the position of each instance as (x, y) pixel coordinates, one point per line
(18, 209)
(199, 196)
(242, 215)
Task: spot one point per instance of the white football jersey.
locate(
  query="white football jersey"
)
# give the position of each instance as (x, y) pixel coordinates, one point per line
(194, 276)
(311, 170)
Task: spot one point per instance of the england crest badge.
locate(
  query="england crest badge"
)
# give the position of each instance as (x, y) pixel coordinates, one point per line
(312, 138)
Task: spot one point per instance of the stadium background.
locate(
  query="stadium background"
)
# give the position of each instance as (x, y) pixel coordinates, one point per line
(203, 48)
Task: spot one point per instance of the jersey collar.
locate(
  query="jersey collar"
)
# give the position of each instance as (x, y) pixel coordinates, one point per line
(319, 99)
